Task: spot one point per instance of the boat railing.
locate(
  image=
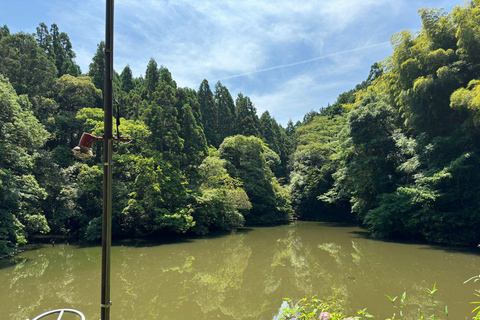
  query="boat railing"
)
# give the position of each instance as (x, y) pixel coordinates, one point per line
(60, 312)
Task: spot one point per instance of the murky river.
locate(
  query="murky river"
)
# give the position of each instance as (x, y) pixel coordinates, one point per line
(244, 275)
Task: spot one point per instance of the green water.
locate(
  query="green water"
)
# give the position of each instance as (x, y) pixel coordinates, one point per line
(244, 275)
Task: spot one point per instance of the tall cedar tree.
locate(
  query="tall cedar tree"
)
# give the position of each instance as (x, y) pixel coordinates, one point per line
(209, 112)
(225, 107)
(247, 123)
(152, 77)
(97, 67)
(126, 78)
(161, 116)
(26, 65)
(58, 47)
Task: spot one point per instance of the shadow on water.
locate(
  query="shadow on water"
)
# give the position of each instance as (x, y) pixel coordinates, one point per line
(177, 239)
(365, 235)
(423, 244)
(340, 224)
(135, 243)
(475, 251)
(31, 247)
(164, 240)
(11, 262)
(145, 243)
(40, 243)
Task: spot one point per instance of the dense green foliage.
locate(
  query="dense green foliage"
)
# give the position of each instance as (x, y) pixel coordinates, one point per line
(20, 193)
(249, 159)
(400, 150)
(332, 307)
(166, 181)
(402, 147)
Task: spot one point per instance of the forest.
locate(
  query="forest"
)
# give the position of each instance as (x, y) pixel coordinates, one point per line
(398, 154)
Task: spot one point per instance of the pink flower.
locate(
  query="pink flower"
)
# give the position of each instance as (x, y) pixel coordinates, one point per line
(324, 316)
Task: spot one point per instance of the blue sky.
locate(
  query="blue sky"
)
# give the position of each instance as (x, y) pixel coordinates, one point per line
(288, 56)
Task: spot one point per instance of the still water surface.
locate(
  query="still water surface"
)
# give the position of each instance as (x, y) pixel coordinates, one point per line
(244, 275)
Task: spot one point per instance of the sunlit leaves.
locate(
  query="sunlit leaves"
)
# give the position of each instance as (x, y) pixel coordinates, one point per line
(25, 64)
(468, 32)
(221, 199)
(312, 166)
(75, 93)
(20, 135)
(246, 160)
(468, 99)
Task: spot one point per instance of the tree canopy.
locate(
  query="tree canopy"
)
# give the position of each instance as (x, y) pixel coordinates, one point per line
(406, 155)
(398, 153)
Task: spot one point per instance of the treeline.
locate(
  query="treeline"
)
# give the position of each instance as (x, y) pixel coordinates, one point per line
(401, 150)
(199, 161)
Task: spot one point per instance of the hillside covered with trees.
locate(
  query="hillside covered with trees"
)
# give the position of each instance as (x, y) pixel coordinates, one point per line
(401, 150)
(398, 153)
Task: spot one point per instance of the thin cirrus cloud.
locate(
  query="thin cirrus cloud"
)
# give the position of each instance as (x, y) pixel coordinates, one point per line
(290, 57)
(316, 86)
(247, 30)
(293, 64)
(288, 93)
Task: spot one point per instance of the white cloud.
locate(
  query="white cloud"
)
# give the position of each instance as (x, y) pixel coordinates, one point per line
(339, 14)
(289, 53)
(294, 98)
(202, 39)
(319, 84)
(229, 36)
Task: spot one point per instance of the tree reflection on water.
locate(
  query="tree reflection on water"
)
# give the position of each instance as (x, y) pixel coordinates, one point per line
(239, 276)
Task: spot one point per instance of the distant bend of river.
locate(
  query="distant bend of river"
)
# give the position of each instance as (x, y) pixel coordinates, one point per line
(244, 275)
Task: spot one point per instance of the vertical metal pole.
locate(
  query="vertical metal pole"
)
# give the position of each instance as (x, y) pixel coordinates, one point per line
(107, 164)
